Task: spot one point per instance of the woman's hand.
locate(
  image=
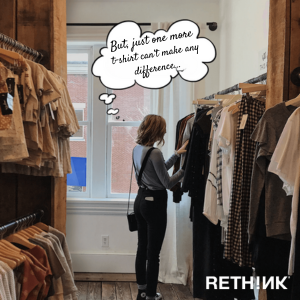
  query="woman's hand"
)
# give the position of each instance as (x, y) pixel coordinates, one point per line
(182, 149)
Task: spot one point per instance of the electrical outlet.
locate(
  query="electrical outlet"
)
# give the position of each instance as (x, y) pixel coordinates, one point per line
(105, 240)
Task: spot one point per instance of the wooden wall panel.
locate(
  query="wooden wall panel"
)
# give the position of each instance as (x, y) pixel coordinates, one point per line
(60, 38)
(8, 197)
(34, 193)
(8, 25)
(59, 203)
(59, 61)
(34, 21)
(278, 52)
(294, 55)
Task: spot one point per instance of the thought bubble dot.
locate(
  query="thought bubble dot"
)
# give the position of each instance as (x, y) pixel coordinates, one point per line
(112, 111)
(108, 99)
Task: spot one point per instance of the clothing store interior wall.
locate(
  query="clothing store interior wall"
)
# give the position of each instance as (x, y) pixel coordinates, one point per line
(239, 42)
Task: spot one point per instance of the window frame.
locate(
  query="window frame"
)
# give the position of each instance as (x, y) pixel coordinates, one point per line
(87, 123)
(98, 166)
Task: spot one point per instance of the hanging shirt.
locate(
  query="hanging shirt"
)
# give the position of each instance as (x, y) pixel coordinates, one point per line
(213, 209)
(69, 286)
(11, 279)
(277, 203)
(236, 244)
(285, 162)
(64, 245)
(227, 138)
(5, 283)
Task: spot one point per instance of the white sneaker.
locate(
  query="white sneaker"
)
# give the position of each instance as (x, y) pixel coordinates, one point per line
(158, 296)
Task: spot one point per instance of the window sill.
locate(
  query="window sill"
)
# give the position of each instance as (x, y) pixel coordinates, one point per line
(92, 206)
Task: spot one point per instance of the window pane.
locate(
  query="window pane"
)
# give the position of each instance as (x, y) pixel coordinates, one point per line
(123, 142)
(77, 180)
(133, 103)
(78, 89)
(78, 82)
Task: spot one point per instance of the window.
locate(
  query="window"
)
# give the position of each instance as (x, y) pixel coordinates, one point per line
(101, 150)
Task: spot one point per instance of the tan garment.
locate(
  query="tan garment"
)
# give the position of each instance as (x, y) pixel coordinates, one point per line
(43, 87)
(5, 120)
(31, 105)
(12, 141)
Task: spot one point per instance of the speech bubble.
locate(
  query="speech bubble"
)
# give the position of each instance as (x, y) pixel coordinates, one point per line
(152, 60)
(108, 99)
(112, 111)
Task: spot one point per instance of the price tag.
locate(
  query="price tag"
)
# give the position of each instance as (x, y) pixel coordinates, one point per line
(10, 101)
(4, 105)
(243, 122)
(11, 86)
(20, 93)
(51, 111)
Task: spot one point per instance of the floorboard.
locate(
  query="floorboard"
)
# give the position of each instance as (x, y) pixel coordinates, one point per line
(82, 290)
(167, 291)
(94, 291)
(123, 291)
(109, 291)
(133, 289)
(183, 292)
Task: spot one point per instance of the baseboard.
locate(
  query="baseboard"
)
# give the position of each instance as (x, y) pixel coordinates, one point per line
(105, 277)
(103, 263)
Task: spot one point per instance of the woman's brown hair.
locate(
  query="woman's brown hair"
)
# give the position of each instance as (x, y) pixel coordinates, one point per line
(151, 130)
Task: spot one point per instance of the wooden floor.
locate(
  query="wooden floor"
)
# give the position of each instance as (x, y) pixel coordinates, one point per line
(127, 291)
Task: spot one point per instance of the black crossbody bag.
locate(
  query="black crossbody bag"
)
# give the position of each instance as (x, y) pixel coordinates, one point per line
(131, 216)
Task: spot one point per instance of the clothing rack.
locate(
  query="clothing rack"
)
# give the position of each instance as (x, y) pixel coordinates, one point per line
(236, 87)
(21, 223)
(16, 46)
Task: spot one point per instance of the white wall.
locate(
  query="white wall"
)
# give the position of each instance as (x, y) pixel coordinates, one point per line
(145, 11)
(243, 29)
(87, 221)
(114, 11)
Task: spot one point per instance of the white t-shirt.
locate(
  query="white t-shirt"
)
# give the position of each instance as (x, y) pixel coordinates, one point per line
(211, 209)
(227, 138)
(285, 162)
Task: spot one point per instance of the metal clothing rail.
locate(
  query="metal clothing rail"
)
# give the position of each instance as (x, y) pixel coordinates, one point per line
(21, 223)
(236, 87)
(16, 46)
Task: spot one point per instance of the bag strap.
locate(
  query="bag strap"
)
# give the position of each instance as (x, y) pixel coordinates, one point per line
(144, 165)
(130, 188)
(140, 174)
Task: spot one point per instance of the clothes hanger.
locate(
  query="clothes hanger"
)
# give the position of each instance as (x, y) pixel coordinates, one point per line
(27, 232)
(43, 226)
(31, 228)
(226, 96)
(248, 88)
(294, 102)
(234, 99)
(205, 102)
(12, 264)
(9, 251)
(17, 238)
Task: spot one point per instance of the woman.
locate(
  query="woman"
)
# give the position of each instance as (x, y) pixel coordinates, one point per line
(150, 205)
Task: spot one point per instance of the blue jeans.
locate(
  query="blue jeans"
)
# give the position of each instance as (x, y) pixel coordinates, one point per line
(151, 219)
